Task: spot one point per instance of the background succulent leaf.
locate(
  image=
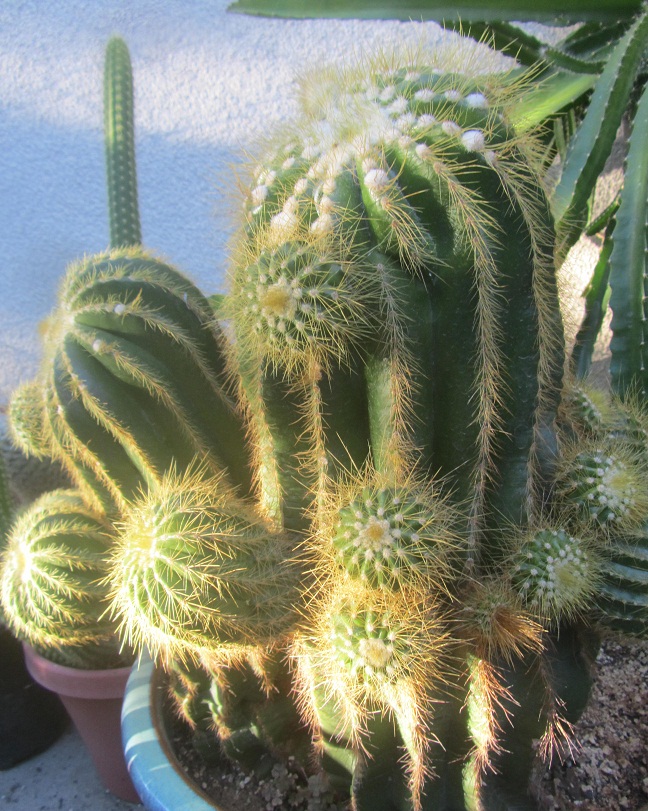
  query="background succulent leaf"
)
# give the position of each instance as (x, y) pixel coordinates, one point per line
(592, 143)
(549, 11)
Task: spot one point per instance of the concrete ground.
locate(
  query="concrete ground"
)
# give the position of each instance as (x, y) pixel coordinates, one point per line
(61, 779)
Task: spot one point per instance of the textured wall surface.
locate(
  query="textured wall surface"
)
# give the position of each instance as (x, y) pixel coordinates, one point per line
(207, 84)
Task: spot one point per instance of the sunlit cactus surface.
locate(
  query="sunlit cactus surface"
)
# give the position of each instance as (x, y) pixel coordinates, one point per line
(362, 515)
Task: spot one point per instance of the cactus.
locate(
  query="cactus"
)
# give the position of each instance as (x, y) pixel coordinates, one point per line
(623, 592)
(367, 525)
(52, 590)
(398, 349)
(119, 128)
(203, 571)
(132, 361)
(52, 573)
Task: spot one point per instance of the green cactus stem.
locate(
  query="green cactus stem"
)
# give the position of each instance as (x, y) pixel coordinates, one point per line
(442, 239)
(6, 502)
(26, 420)
(372, 651)
(623, 590)
(544, 696)
(297, 310)
(257, 718)
(416, 176)
(119, 130)
(53, 592)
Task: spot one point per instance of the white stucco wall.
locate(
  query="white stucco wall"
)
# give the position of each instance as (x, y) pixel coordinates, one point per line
(206, 82)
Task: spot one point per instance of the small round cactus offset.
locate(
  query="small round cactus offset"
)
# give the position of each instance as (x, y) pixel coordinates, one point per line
(301, 298)
(195, 571)
(53, 588)
(390, 535)
(606, 484)
(372, 646)
(555, 573)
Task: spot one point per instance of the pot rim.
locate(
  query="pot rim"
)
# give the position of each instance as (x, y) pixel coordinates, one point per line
(152, 764)
(75, 682)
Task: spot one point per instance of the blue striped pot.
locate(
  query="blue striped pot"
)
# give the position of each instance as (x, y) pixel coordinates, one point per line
(153, 768)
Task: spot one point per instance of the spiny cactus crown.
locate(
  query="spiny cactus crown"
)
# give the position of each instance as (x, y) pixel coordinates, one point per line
(370, 645)
(387, 535)
(554, 572)
(606, 485)
(300, 298)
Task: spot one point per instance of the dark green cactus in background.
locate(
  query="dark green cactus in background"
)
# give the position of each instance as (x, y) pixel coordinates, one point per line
(119, 129)
(362, 517)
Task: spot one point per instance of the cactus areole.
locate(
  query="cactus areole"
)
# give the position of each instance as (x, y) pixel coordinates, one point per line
(360, 518)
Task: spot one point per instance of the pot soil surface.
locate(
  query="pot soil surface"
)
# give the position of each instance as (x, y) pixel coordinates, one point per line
(607, 770)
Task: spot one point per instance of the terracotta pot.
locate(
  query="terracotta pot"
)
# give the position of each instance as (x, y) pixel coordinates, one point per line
(93, 700)
(156, 773)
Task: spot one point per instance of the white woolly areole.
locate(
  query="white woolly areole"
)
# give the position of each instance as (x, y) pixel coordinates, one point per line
(323, 224)
(376, 180)
(451, 128)
(291, 205)
(301, 185)
(477, 101)
(425, 94)
(387, 94)
(325, 205)
(406, 122)
(258, 195)
(329, 185)
(452, 95)
(284, 224)
(398, 106)
(426, 120)
(473, 140)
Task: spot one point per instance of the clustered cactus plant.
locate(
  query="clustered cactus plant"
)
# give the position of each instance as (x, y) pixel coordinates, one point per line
(362, 516)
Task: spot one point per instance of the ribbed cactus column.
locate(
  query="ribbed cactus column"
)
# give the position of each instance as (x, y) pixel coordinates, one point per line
(134, 381)
(399, 231)
(119, 131)
(416, 177)
(623, 590)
